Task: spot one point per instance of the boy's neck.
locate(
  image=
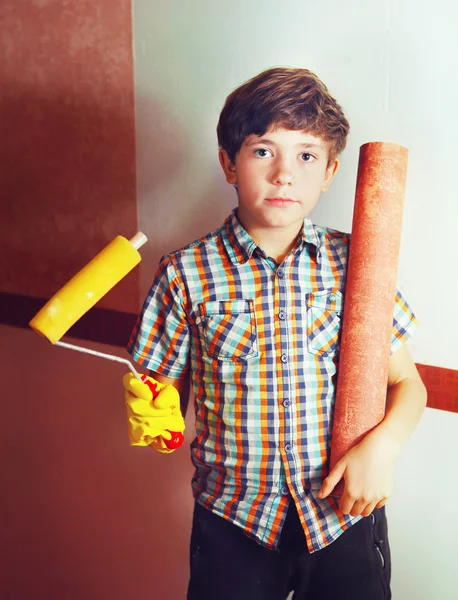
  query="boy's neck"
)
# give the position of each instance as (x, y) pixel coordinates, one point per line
(276, 243)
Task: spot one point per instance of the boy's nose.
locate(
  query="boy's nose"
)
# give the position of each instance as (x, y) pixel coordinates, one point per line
(282, 174)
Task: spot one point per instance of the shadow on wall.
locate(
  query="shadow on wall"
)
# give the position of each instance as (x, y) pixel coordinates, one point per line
(67, 185)
(182, 194)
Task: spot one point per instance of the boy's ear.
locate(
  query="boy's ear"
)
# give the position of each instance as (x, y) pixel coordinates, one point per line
(330, 173)
(228, 167)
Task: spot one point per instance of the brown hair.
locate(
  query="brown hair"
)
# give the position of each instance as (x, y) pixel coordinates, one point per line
(291, 98)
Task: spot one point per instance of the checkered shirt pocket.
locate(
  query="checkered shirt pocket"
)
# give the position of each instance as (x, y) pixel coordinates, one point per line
(229, 329)
(324, 308)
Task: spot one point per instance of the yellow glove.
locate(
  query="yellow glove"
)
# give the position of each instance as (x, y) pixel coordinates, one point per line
(153, 414)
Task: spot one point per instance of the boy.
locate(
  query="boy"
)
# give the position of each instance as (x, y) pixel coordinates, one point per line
(229, 312)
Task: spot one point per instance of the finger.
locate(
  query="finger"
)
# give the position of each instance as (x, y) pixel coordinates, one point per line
(368, 509)
(136, 387)
(139, 435)
(332, 479)
(168, 397)
(144, 408)
(346, 504)
(358, 508)
(170, 423)
(381, 503)
(159, 445)
(126, 379)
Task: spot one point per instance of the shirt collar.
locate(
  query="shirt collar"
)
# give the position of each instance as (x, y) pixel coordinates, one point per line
(240, 245)
(309, 235)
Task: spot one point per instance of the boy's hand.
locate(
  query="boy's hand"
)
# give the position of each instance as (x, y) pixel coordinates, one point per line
(367, 470)
(149, 421)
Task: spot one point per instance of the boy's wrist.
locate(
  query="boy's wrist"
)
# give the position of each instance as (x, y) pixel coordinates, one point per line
(384, 434)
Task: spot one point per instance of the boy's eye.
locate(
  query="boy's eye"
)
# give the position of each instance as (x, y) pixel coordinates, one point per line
(262, 152)
(306, 157)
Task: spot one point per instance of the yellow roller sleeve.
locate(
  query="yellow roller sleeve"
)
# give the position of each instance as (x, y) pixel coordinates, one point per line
(86, 288)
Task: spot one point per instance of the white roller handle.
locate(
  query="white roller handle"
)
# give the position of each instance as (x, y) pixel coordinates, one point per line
(100, 355)
(138, 240)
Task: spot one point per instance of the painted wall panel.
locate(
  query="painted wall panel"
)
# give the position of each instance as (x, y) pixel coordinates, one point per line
(67, 181)
(84, 515)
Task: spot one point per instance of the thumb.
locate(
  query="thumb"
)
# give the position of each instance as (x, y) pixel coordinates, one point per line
(332, 479)
(136, 387)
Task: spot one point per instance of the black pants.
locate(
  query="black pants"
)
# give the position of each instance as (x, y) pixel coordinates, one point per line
(228, 565)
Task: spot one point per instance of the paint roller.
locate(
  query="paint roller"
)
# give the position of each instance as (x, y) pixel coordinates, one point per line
(83, 291)
(369, 296)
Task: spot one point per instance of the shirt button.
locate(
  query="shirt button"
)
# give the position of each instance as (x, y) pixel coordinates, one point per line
(288, 447)
(332, 298)
(286, 402)
(285, 490)
(280, 272)
(284, 358)
(282, 315)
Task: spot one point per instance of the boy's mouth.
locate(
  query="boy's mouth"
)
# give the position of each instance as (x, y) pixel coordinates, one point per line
(279, 201)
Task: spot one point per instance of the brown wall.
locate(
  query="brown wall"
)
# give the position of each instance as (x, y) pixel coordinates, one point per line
(67, 178)
(83, 514)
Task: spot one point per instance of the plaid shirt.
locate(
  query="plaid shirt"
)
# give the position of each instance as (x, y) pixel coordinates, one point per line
(261, 342)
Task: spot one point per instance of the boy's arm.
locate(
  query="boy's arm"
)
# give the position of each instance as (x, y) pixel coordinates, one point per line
(368, 467)
(182, 385)
(405, 400)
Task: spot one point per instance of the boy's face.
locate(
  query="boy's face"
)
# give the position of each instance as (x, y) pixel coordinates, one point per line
(279, 176)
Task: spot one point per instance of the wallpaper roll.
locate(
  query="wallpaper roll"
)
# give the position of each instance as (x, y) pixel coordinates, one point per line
(369, 296)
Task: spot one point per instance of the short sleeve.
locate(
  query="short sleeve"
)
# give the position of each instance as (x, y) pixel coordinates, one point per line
(160, 340)
(404, 322)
